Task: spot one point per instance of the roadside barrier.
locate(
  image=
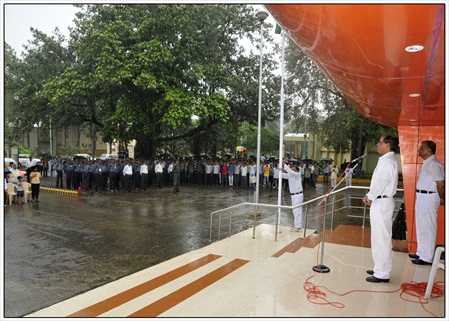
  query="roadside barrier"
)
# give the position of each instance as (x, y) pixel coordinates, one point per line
(59, 191)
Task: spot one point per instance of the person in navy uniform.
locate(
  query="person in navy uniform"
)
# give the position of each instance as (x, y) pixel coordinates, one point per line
(68, 169)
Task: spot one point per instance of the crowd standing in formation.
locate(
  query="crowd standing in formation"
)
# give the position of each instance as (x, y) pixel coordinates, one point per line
(129, 175)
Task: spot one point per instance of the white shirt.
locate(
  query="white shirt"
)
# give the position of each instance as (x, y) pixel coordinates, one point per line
(170, 168)
(127, 170)
(349, 171)
(158, 168)
(432, 171)
(144, 169)
(385, 177)
(275, 172)
(30, 163)
(217, 169)
(294, 180)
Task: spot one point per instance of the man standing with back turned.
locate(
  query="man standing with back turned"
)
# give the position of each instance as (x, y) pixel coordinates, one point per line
(429, 196)
(380, 197)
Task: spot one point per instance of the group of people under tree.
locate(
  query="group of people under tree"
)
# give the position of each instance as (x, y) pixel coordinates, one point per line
(128, 175)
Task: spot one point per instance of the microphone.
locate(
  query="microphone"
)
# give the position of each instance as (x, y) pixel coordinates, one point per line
(359, 158)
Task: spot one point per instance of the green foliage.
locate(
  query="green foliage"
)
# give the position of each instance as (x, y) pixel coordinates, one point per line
(70, 150)
(25, 150)
(314, 105)
(144, 71)
(269, 141)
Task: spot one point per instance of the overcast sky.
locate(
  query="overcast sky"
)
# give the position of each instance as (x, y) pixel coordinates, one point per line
(44, 17)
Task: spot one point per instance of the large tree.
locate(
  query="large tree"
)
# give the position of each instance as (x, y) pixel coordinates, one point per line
(144, 71)
(44, 58)
(12, 66)
(314, 105)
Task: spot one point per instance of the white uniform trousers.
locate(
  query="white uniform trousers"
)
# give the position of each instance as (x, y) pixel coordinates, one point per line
(426, 212)
(381, 215)
(297, 212)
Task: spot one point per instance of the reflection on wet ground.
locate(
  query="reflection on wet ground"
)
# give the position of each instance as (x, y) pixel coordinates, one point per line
(65, 245)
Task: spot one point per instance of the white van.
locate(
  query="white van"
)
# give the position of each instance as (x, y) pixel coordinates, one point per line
(108, 156)
(23, 159)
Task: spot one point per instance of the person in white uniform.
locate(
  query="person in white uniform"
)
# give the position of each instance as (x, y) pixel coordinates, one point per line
(380, 197)
(295, 186)
(429, 197)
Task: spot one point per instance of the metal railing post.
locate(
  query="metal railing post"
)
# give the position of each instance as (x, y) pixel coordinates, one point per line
(219, 225)
(254, 221)
(332, 214)
(278, 218)
(364, 214)
(230, 223)
(305, 223)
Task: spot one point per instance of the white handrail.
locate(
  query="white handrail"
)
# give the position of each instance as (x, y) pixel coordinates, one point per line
(284, 207)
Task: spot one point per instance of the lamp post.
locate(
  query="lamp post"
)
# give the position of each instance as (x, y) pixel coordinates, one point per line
(51, 139)
(261, 16)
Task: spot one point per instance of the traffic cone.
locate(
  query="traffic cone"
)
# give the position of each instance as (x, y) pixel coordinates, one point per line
(80, 192)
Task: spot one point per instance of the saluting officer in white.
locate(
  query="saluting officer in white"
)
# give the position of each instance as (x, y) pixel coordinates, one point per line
(295, 186)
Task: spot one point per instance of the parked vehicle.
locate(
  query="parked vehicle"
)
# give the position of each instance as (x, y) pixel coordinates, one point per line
(82, 157)
(108, 156)
(23, 158)
(9, 161)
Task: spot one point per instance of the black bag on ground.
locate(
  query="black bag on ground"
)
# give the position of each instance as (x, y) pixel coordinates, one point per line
(400, 225)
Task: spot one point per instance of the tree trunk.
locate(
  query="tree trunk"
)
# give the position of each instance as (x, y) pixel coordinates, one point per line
(94, 140)
(145, 148)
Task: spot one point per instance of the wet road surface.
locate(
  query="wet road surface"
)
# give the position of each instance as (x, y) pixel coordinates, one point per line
(65, 245)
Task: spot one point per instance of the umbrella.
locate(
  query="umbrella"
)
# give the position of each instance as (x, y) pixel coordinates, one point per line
(17, 174)
(31, 169)
(330, 160)
(241, 149)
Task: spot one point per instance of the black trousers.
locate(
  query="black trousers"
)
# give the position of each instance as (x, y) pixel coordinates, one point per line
(68, 179)
(128, 182)
(35, 191)
(59, 181)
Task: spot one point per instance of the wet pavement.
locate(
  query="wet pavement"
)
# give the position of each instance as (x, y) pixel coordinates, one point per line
(65, 245)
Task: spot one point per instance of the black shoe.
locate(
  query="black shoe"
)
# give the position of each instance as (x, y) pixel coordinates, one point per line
(376, 280)
(421, 262)
(413, 256)
(370, 272)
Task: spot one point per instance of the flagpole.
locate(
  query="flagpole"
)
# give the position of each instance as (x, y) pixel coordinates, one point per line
(281, 135)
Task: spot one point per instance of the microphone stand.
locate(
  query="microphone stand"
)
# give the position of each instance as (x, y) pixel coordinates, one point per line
(321, 268)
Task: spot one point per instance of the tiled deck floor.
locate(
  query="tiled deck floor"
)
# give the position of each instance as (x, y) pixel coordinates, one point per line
(245, 277)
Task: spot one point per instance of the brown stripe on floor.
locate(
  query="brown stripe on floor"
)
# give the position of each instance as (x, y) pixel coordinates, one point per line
(128, 295)
(187, 291)
(343, 235)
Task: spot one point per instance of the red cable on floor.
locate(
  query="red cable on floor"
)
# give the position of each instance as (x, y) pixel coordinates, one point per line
(316, 296)
(420, 290)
